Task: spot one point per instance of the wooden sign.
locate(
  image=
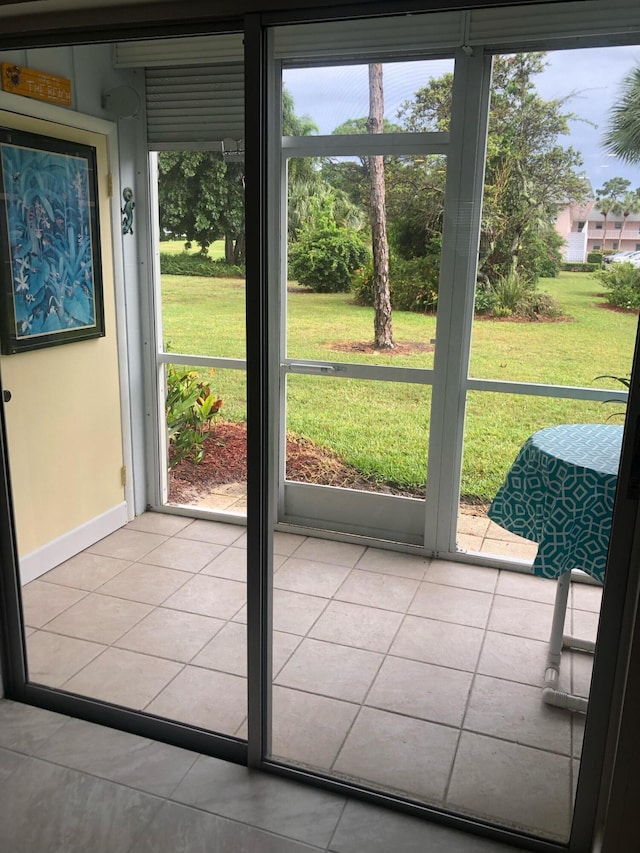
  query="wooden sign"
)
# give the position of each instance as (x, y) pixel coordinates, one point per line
(36, 84)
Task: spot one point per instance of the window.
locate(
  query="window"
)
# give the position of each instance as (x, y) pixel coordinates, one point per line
(637, 247)
(581, 224)
(599, 226)
(596, 247)
(615, 244)
(617, 226)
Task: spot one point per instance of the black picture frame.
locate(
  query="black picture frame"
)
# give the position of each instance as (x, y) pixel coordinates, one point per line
(51, 288)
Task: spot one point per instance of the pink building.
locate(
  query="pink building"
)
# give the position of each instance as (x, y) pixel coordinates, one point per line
(582, 226)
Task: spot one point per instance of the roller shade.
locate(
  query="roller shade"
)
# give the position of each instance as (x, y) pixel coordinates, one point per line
(195, 106)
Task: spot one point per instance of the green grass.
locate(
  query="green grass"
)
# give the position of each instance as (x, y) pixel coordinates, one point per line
(175, 247)
(382, 428)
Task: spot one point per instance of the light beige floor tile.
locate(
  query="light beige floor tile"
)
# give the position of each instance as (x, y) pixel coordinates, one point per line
(586, 597)
(286, 543)
(209, 596)
(227, 651)
(514, 658)
(374, 589)
(52, 659)
(184, 554)
(529, 587)
(441, 643)
(340, 672)
(393, 563)
(212, 700)
(495, 531)
(294, 612)
(401, 753)
(462, 575)
(309, 729)
(124, 677)
(577, 733)
(469, 542)
(517, 713)
(328, 551)
(127, 544)
(522, 618)
(159, 522)
(215, 532)
(42, 602)
(86, 571)
(358, 626)
(584, 624)
(512, 784)
(581, 670)
(230, 564)
(145, 583)
(450, 604)
(516, 550)
(475, 525)
(99, 618)
(308, 576)
(421, 690)
(171, 634)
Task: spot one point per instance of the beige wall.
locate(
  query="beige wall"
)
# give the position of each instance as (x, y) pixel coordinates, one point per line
(64, 421)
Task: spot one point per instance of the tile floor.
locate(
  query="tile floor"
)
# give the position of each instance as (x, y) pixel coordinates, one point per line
(417, 675)
(67, 786)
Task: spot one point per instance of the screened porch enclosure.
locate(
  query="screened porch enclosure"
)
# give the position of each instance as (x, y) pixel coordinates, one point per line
(403, 635)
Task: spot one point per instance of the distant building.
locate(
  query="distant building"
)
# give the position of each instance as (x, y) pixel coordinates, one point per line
(582, 227)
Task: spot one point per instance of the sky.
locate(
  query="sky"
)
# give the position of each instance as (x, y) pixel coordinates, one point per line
(592, 77)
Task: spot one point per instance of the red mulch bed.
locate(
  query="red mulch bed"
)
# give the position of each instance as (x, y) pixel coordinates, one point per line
(225, 461)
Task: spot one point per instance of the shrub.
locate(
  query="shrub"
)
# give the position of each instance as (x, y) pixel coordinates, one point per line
(623, 283)
(190, 407)
(185, 263)
(325, 258)
(577, 267)
(517, 296)
(413, 284)
(595, 258)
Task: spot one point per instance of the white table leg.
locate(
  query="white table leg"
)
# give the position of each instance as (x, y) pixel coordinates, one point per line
(550, 693)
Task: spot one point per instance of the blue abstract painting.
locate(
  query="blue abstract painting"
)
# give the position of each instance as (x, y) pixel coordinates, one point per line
(50, 233)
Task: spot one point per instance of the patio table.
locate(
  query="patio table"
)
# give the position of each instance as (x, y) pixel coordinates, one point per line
(559, 492)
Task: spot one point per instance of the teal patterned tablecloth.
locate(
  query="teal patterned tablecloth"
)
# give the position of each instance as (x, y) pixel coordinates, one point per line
(559, 492)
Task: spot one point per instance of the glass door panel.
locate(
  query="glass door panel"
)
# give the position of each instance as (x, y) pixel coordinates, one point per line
(357, 414)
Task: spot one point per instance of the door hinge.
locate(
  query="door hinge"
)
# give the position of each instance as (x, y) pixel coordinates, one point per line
(123, 475)
(110, 185)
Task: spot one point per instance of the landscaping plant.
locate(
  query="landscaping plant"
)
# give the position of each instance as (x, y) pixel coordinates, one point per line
(190, 409)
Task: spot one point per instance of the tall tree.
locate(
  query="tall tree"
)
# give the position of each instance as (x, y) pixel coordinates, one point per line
(622, 136)
(629, 203)
(383, 331)
(529, 174)
(609, 199)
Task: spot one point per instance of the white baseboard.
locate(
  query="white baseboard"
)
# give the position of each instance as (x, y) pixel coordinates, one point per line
(53, 553)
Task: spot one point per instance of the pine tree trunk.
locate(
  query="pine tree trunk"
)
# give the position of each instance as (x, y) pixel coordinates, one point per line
(228, 249)
(383, 333)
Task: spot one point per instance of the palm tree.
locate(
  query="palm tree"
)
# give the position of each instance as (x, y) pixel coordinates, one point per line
(605, 204)
(628, 204)
(622, 137)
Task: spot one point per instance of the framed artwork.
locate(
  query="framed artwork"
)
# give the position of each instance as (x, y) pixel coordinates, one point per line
(50, 267)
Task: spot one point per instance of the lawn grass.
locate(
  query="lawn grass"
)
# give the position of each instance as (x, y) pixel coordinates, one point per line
(381, 428)
(175, 247)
